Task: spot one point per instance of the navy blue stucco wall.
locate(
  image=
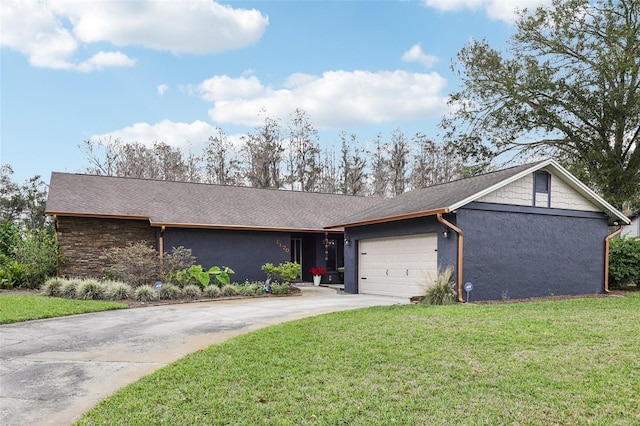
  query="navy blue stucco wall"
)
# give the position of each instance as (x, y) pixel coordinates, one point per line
(447, 247)
(531, 253)
(243, 251)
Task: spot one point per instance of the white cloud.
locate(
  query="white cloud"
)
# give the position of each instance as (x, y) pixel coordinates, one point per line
(221, 88)
(172, 133)
(50, 32)
(415, 54)
(502, 10)
(162, 89)
(102, 60)
(333, 100)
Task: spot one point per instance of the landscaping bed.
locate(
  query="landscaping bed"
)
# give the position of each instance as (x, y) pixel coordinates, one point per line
(132, 303)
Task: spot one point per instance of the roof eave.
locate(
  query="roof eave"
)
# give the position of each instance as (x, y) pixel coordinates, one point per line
(239, 227)
(589, 194)
(390, 218)
(97, 215)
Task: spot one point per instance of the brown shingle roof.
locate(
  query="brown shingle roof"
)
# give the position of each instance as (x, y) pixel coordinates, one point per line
(198, 205)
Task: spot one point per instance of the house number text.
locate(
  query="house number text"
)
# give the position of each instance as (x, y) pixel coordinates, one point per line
(283, 246)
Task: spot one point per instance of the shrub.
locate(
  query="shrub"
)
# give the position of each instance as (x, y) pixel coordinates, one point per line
(280, 289)
(211, 291)
(11, 272)
(228, 290)
(250, 289)
(136, 264)
(37, 254)
(91, 289)
(624, 261)
(440, 291)
(192, 291)
(117, 290)
(70, 289)
(179, 259)
(52, 287)
(145, 293)
(170, 292)
(288, 271)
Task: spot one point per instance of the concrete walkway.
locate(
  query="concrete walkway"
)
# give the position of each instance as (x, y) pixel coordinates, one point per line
(54, 370)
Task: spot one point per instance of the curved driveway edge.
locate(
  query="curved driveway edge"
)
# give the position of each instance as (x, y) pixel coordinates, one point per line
(54, 370)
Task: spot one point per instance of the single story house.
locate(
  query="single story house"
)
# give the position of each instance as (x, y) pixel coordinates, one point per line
(527, 231)
(633, 229)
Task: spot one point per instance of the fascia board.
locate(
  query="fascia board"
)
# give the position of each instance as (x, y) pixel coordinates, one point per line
(586, 192)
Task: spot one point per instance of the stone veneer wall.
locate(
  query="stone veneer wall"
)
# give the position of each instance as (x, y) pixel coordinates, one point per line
(83, 242)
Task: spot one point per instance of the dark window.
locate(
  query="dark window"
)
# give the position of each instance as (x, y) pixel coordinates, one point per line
(543, 179)
(332, 255)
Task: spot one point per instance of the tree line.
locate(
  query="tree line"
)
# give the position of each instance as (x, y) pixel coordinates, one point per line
(285, 157)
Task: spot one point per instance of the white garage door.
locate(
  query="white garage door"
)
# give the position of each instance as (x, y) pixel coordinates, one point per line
(397, 266)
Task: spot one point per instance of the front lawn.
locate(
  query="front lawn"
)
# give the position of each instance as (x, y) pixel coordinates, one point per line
(563, 362)
(16, 308)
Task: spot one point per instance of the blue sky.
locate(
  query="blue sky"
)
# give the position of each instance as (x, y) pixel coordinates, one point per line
(172, 71)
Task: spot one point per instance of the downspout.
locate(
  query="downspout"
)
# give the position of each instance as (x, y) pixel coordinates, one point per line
(460, 248)
(161, 249)
(606, 257)
(55, 234)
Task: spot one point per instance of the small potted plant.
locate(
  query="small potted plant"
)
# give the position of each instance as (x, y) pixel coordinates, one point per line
(317, 273)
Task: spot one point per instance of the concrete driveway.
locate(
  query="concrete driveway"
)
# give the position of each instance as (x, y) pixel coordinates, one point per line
(54, 370)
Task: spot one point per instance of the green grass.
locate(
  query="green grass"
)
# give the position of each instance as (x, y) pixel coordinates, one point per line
(562, 362)
(16, 308)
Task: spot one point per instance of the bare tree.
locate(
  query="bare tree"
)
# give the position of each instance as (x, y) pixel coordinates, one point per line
(398, 153)
(134, 159)
(263, 150)
(329, 179)
(304, 152)
(353, 166)
(101, 155)
(221, 164)
(379, 169)
(431, 164)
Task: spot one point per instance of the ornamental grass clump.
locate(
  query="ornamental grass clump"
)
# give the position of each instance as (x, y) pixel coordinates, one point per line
(117, 290)
(91, 289)
(69, 288)
(440, 291)
(211, 291)
(192, 291)
(145, 293)
(170, 292)
(52, 287)
(228, 290)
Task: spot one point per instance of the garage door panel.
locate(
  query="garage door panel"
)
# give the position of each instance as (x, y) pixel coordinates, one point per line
(397, 266)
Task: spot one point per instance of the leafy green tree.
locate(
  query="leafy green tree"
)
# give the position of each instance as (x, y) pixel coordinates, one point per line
(24, 204)
(568, 85)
